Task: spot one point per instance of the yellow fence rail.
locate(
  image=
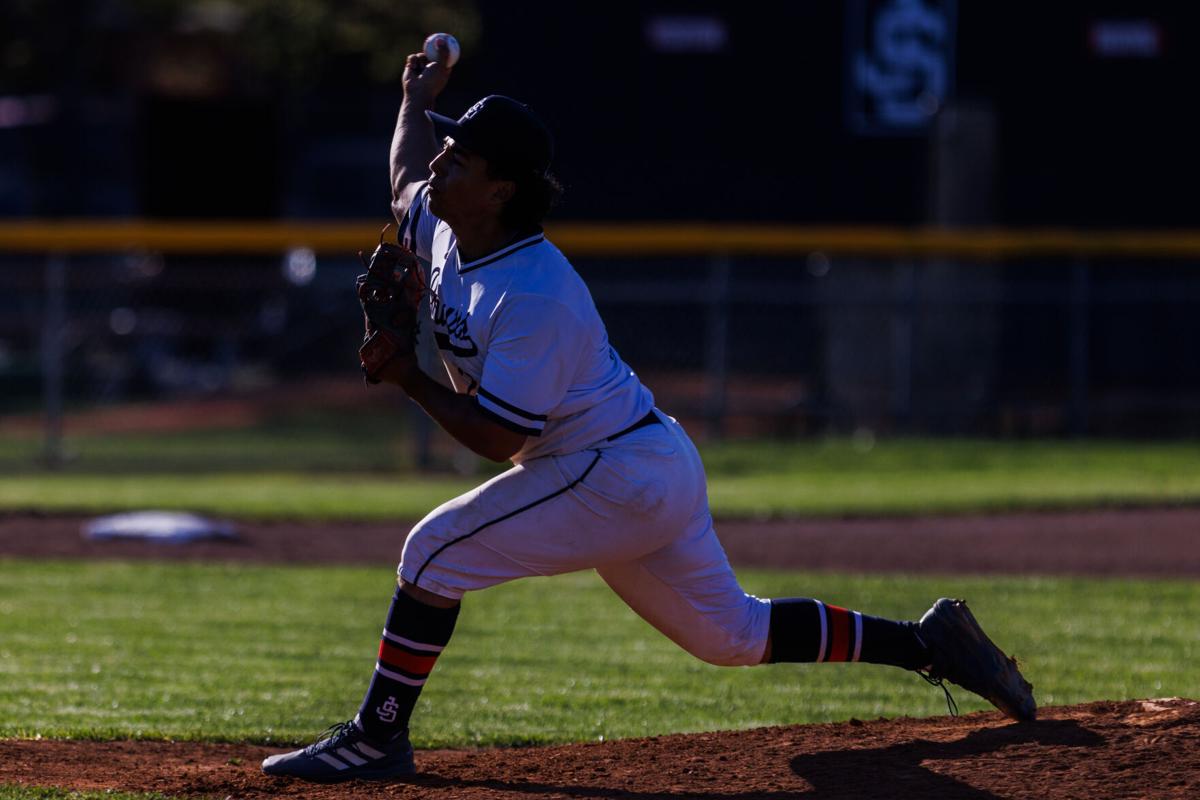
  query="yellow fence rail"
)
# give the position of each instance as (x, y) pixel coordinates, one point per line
(601, 239)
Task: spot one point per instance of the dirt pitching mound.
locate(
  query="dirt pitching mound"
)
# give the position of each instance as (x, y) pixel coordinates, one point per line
(1134, 749)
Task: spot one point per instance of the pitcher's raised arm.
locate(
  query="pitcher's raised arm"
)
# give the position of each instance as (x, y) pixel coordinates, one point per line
(413, 142)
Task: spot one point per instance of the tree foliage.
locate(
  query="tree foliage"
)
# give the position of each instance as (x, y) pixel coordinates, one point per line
(45, 42)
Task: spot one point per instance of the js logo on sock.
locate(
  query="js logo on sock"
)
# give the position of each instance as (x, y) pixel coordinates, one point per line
(387, 711)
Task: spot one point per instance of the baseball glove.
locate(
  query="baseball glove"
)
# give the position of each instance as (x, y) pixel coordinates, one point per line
(389, 293)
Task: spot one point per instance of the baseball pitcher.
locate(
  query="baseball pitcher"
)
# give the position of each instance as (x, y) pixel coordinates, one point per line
(601, 479)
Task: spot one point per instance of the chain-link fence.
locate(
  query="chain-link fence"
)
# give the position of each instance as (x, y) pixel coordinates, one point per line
(804, 337)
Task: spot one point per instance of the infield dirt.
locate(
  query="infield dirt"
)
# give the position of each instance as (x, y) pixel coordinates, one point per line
(1132, 749)
(1133, 542)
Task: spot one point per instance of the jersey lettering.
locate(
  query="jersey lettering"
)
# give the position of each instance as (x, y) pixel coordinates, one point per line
(453, 331)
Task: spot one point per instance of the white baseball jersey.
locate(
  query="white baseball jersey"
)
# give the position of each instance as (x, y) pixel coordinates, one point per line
(518, 330)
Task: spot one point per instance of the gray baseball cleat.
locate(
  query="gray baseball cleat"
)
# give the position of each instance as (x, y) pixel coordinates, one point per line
(343, 753)
(963, 654)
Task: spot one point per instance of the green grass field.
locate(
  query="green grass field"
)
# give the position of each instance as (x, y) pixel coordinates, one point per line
(40, 793)
(323, 475)
(276, 654)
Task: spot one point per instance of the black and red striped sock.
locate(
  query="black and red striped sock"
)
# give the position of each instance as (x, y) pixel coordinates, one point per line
(806, 630)
(413, 638)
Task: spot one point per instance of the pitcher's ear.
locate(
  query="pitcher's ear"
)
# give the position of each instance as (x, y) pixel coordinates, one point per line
(504, 191)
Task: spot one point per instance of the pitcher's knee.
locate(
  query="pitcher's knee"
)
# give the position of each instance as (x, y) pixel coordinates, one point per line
(728, 651)
(734, 637)
(446, 577)
(420, 543)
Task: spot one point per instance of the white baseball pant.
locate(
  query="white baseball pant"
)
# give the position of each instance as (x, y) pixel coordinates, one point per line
(634, 509)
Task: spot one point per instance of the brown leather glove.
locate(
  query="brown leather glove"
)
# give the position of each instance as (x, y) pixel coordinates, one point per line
(389, 293)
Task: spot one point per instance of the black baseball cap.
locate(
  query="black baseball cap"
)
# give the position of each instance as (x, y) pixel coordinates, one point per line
(505, 132)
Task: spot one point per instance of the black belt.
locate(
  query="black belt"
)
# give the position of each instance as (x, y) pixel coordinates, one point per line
(649, 419)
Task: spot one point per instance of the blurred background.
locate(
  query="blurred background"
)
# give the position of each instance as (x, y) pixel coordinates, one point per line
(869, 217)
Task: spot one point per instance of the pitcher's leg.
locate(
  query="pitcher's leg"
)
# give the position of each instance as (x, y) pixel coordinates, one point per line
(688, 591)
(375, 743)
(531, 520)
(548, 516)
(519, 524)
(807, 630)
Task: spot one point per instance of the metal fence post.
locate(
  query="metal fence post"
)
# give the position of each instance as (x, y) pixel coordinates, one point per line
(904, 314)
(716, 367)
(422, 433)
(53, 329)
(1079, 333)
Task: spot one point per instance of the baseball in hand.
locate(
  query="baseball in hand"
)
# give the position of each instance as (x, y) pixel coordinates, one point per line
(431, 47)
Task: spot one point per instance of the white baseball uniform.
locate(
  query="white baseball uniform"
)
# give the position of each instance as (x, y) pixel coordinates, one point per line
(603, 480)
